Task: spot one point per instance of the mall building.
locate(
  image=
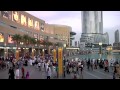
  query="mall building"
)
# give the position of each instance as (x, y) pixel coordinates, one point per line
(20, 22)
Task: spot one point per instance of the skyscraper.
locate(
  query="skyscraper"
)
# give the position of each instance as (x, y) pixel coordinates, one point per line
(116, 36)
(92, 22)
(92, 27)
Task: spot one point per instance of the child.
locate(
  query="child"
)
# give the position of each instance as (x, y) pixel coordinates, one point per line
(27, 75)
(75, 75)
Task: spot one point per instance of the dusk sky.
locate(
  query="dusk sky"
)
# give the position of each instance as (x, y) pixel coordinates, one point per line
(111, 20)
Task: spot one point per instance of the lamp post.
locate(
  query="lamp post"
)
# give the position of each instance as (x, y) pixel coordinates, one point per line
(5, 51)
(43, 51)
(100, 48)
(87, 53)
(64, 52)
(60, 62)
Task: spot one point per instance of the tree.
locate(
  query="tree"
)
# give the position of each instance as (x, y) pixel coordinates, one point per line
(26, 40)
(32, 41)
(50, 43)
(17, 39)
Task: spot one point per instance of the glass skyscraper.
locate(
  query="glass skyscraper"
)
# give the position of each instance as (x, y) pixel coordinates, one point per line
(92, 27)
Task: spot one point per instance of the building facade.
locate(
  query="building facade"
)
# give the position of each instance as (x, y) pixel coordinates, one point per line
(20, 22)
(59, 33)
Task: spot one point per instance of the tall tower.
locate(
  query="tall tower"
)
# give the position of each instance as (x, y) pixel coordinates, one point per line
(92, 22)
(92, 26)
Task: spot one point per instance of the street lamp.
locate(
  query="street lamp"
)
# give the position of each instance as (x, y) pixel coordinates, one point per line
(5, 51)
(100, 48)
(64, 49)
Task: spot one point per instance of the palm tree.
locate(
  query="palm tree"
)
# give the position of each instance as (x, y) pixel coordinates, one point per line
(38, 42)
(26, 40)
(17, 38)
(32, 41)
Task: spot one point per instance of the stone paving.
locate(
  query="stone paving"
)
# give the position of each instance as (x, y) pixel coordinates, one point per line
(87, 74)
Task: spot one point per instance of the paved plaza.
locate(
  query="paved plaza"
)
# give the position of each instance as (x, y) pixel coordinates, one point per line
(87, 74)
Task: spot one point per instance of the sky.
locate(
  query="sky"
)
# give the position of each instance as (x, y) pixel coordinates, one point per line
(111, 21)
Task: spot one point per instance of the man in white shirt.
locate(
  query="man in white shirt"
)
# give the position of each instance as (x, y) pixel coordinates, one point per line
(46, 66)
(31, 62)
(39, 66)
(17, 73)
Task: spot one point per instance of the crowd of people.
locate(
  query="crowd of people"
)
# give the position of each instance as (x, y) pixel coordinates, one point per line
(70, 67)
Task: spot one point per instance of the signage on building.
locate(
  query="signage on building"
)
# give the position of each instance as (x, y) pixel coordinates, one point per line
(5, 14)
(15, 16)
(23, 19)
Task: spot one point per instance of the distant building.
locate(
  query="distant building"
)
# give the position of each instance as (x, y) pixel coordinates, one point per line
(116, 44)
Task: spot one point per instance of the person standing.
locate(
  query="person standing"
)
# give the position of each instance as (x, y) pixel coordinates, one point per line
(39, 66)
(23, 72)
(17, 73)
(106, 64)
(10, 70)
(54, 71)
(11, 73)
(88, 64)
(48, 72)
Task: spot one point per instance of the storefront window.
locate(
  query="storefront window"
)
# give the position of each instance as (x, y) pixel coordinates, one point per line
(10, 39)
(1, 37)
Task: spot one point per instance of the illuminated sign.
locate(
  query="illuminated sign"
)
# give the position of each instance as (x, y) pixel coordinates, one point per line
(10, 39)
(30, 22)
(36, 25)
(15, 16)
(23, 20)
(1, 37)
(5, 14)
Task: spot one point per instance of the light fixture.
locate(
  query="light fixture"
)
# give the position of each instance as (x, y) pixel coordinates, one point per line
(100, 43)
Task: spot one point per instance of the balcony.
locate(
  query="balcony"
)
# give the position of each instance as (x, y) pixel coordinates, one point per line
(72, 33)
